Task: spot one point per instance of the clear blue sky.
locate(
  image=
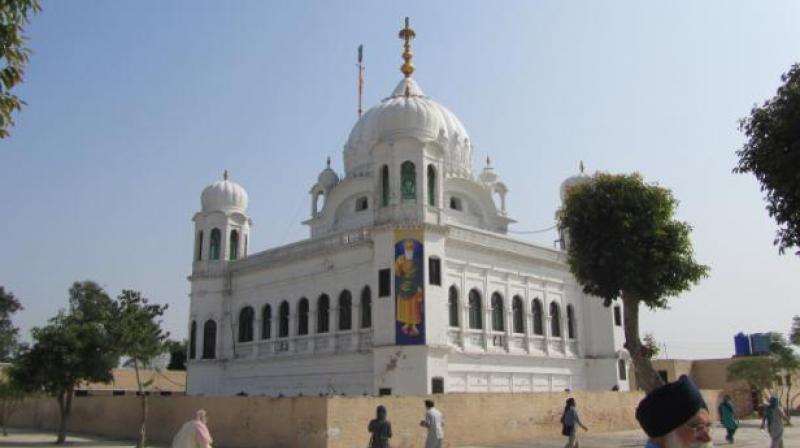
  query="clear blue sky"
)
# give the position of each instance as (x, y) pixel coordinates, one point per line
(135, 106)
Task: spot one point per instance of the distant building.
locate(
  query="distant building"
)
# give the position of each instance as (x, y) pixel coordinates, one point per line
(162, 382)
(407, 284)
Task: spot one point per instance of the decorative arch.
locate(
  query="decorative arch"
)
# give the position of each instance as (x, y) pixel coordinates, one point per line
(246, 317)
(323, 313)
(193, 340)
(366, 307)
(345, 310)
(210, 339)
(302, 316)
(283, 320)
(498, 312)
(233, 246)
(452, 305)
(518, 314)
(570, 322)
(408, 180)
(266, 322)
(431, 185)
(475, 310)
(215, 244)
(538, 317)
(555, 319)
(198, 246)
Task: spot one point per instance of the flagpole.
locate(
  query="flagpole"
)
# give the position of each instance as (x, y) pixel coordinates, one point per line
(360, 77)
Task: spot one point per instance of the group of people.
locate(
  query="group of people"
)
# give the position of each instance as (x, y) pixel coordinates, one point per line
(674, 415)
(380, 428)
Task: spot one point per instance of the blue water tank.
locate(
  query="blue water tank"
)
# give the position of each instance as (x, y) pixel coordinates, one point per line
(742, 344)
(759, 342)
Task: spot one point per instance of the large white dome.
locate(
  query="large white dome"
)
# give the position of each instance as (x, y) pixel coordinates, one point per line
(408, 112)
(224, 196)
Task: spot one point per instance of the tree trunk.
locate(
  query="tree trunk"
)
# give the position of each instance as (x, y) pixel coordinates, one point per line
(64, 405)
(143, 399)
(646, 376)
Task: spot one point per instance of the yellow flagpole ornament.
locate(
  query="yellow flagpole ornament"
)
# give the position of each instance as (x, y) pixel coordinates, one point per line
(407, 34)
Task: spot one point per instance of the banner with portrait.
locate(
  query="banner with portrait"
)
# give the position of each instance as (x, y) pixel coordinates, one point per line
(409, 287)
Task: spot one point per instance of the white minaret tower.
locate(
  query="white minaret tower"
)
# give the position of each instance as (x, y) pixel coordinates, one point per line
(222, 227)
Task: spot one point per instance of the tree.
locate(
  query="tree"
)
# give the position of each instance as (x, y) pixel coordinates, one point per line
(74, 347)
(650, 346)
(8, 332)
(758, 372)
(624, 242)
(772, 154)
(14, 14)
(786, 364)
(138, 336)
(177, 354)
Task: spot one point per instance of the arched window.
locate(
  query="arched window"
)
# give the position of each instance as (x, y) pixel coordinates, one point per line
(366, 307)
(246, 316)
(475, 310)
(518, 314)
(193, 340)
(210, 339)
(498, 321)
(266, 322)
(362, 204)
(623, 369)
(385, 186)
(538, 317)
(283, 320)
(234, 245)
(570, 322)
(555, 320)
(198, 249)
(302, 317)
(323, 311)
(452, 305)
(431, 185)
(216, 240)
(408, 180)
(345, 310)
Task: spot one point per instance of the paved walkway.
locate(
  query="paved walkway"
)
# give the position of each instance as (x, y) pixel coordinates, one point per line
(748, 436)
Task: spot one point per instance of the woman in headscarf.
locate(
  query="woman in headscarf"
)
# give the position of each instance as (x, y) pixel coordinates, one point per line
(727, 417)
(194, 433)
(773, 420)
(569, 422)
(381, 429)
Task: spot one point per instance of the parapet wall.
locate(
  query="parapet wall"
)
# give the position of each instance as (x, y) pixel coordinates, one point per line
(340, 422)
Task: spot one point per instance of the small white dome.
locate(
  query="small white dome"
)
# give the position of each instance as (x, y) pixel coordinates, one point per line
(328, 178)
(224, 196)
(409, 112)
(578, 179)
(488, 176)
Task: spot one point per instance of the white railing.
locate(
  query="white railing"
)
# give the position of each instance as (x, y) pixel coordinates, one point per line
(538, 345)
(454, 337)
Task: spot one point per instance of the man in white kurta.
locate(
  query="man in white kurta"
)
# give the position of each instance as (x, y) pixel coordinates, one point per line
(434, 421)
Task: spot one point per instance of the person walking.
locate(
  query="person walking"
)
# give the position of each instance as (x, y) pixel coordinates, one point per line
(380, 428)
(434, 421)
(194, 433)
(773, 420)
(569, 421)
(727, 416)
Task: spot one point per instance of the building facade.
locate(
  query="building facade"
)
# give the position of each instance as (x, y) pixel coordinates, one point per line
(407, 284)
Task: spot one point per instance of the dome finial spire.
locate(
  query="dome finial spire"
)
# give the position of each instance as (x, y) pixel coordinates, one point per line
(225, 175)
(407, 34)
(328, 162)
(488, 161)
(580, 166)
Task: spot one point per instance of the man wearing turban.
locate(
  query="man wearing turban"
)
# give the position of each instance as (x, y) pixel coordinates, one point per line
(675, 416)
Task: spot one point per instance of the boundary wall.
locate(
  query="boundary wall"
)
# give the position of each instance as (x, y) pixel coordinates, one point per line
(340, 422)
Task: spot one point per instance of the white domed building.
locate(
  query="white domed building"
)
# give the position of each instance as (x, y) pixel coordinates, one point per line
(407, 284)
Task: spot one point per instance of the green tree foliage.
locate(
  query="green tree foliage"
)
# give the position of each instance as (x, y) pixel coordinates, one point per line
(8, 332)
(772, 154)
(650, 346)
(138, 336)
(14, 14)
(758, 372)
(624, 242)
(74, 347)
(177, 355)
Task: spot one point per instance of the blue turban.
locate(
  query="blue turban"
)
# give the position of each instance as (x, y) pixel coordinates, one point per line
(668, 407)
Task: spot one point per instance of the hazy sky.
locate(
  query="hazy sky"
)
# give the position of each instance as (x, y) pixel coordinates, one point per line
(135, 106)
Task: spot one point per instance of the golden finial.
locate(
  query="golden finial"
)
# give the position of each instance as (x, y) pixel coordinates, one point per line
(580, 166)
(407, 34)
(488, 162)
(225, 175)
(328, 162)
